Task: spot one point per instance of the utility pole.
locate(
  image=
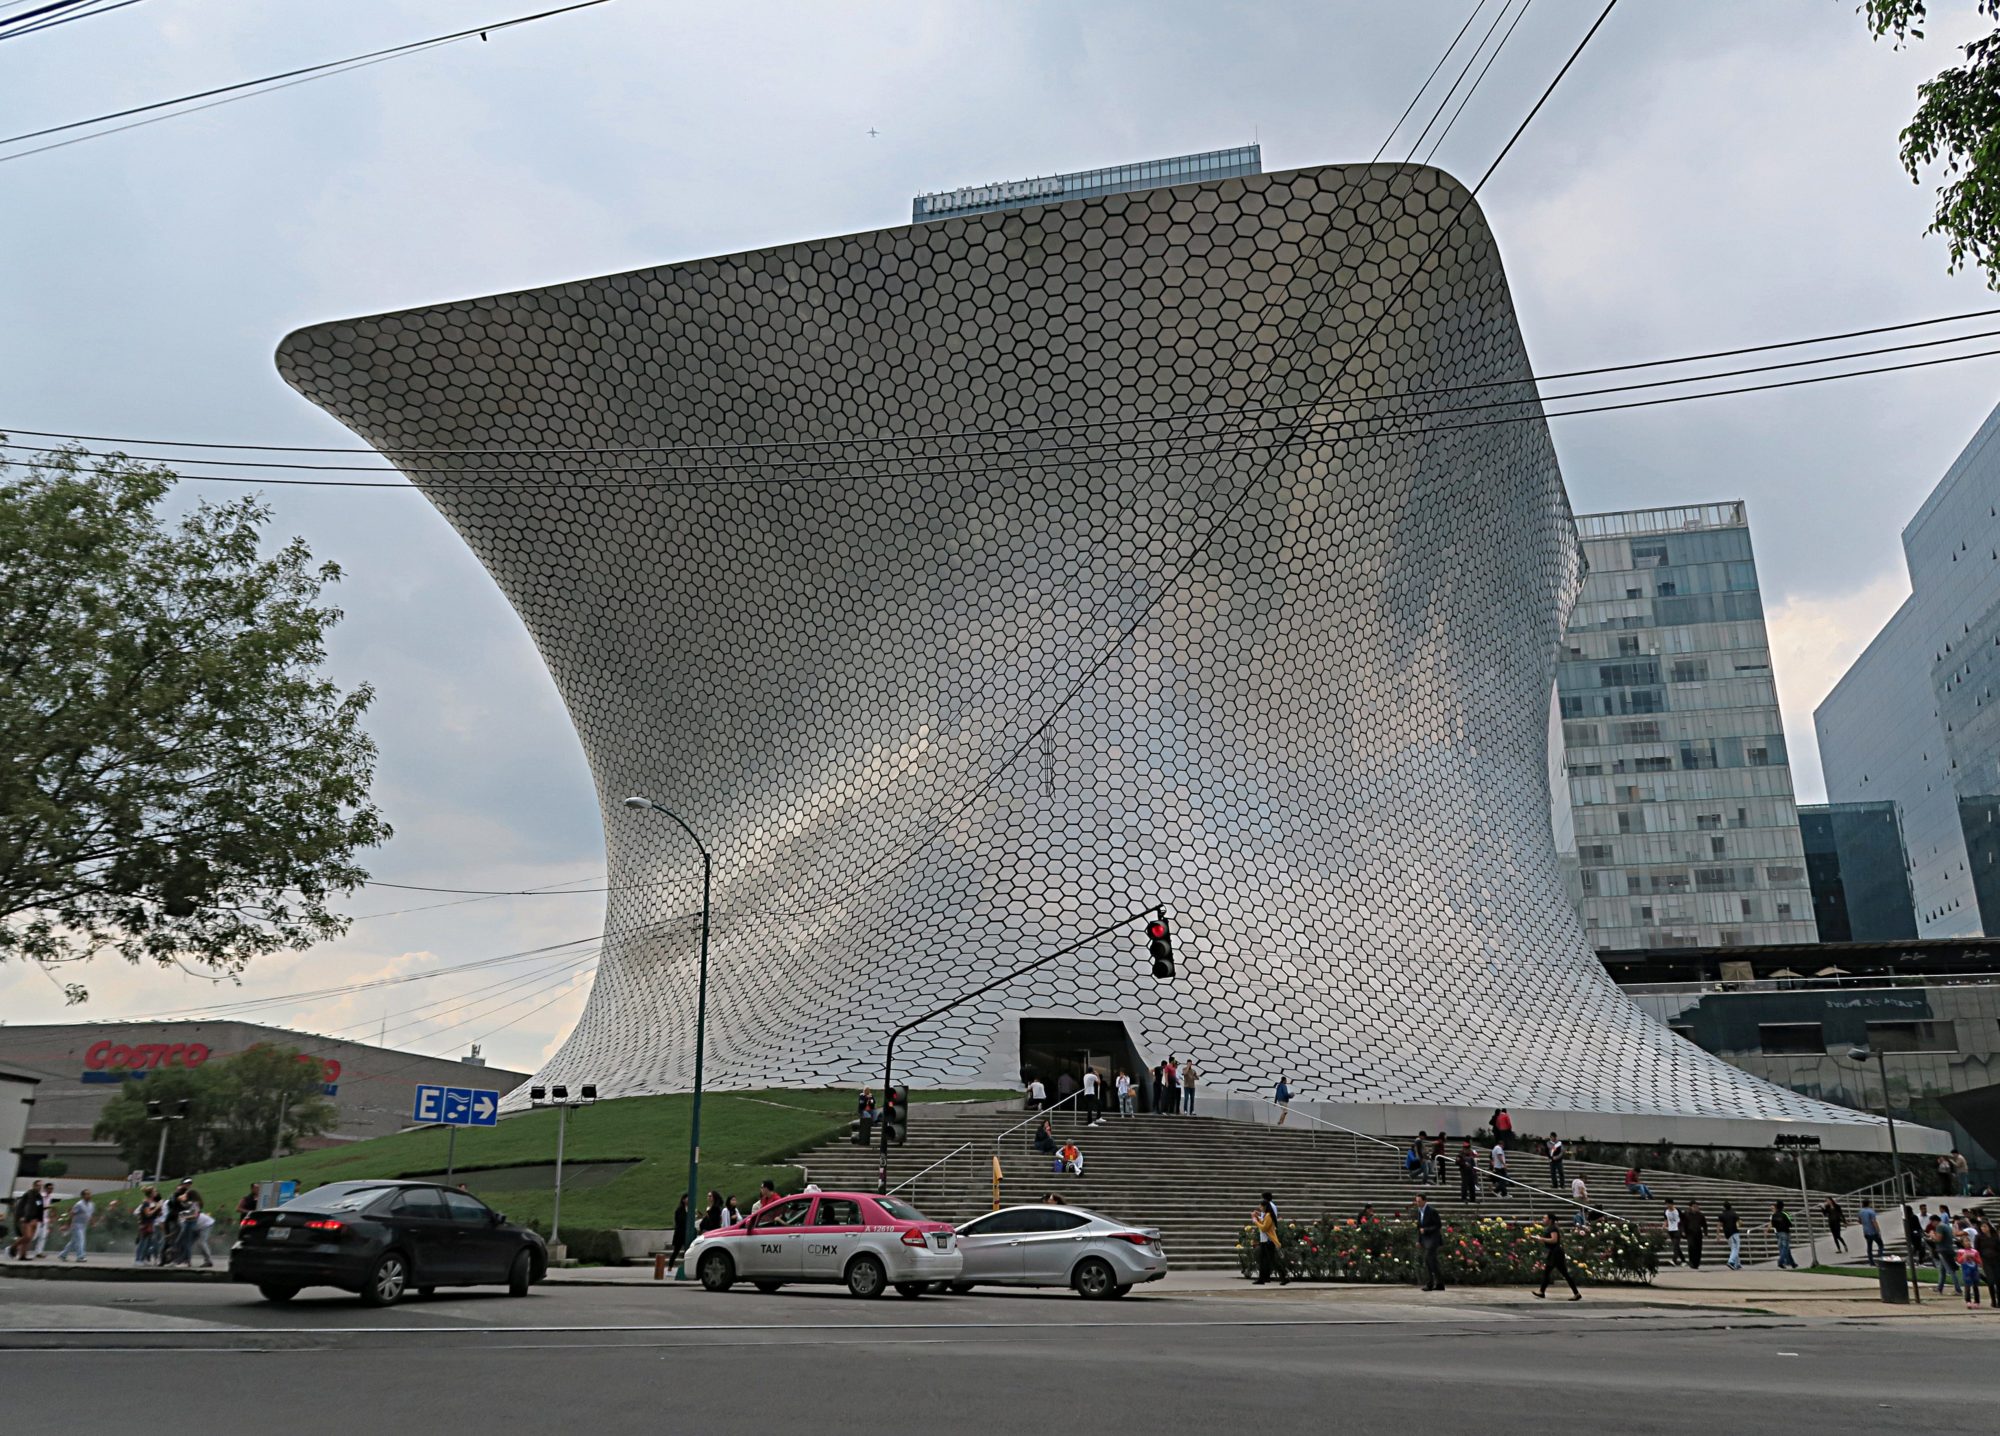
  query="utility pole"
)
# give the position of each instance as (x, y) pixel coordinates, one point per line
(278, 1137)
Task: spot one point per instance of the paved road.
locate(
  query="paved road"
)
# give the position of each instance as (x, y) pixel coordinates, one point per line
(76, 1355)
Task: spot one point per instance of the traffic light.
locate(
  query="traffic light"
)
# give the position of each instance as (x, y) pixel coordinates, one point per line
(181, 1107)
(896, 1115)
(1162, 946)
(155, 1112)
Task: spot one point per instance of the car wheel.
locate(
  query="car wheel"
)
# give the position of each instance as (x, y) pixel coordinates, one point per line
(767, 1286)
(865, 1276)
(387, 1282)
(960, 1288)
(717, 1271)
(1095, 1279)
(276, 1290)
(912, 1288)
(521, 1275)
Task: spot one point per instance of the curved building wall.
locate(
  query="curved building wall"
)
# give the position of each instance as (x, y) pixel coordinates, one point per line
(968, 585)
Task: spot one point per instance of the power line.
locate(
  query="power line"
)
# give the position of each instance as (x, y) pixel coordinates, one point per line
(1479, 79)
(1474, 15)
(294, 75)
(16, 26)
(1459, 79)
(942, 435)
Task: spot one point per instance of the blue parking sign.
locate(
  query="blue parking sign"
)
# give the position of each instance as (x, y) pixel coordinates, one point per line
(429, 1101)
(455, 1107)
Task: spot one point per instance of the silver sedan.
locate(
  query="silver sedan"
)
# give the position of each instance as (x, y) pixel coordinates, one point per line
(1048, 1245)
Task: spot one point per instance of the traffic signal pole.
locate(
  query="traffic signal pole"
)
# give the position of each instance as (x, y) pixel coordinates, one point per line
(889, 1058)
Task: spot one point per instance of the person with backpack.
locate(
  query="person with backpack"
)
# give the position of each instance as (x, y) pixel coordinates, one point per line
(1283, 1097)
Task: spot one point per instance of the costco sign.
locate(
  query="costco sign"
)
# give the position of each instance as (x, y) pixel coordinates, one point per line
(109, 1061)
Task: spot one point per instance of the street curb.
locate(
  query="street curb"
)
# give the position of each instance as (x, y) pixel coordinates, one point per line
(24, 1271)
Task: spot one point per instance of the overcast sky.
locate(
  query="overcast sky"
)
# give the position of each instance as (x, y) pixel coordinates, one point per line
(1712, 173)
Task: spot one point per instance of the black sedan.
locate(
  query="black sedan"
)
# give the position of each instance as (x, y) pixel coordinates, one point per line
(381, 1239)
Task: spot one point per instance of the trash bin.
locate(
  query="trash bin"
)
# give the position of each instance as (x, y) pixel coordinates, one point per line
(1894, 1274)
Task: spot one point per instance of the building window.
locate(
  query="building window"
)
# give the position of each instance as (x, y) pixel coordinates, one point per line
(1707, 822)
(1594, 853)
(1628, 647)
(1914, 1036)
(1797, 1039)
(1717, 847)
(1690, 670)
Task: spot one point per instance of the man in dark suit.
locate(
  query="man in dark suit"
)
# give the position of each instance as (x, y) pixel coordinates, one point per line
(1430, 1241)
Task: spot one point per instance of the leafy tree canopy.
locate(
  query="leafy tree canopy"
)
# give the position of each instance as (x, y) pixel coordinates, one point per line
(1957, 125)
(179, 782)
(235, 1106)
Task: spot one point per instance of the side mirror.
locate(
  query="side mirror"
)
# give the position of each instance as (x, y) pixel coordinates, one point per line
(499, 1218)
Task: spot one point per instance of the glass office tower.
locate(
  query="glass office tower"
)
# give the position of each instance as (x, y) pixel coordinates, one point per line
(1859, 872)
(1679, 788)
(1088, 184)
(1914, 721)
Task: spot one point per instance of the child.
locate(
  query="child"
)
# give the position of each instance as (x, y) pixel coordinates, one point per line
(1968, 1268)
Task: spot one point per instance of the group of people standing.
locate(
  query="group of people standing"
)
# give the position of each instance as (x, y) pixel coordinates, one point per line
(1966, 1248)
(174, 1230)
(1174, 1084)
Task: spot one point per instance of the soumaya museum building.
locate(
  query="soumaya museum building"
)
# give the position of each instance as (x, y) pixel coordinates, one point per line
(971, 584)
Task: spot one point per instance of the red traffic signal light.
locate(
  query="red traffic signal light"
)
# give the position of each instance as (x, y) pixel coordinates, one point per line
(1161, 945)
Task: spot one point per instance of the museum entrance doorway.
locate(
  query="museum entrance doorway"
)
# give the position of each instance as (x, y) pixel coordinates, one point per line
(1055, 1047)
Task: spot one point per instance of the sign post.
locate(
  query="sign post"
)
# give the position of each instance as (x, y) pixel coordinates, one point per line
(452, 1108)
(1799, 1146)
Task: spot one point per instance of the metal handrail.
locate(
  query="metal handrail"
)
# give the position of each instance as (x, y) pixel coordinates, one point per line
(961, 1147)
(1037, 1115)
(1316, 1121)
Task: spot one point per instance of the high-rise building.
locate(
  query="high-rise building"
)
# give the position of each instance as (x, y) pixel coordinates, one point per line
(1088, 184)
(1859, 872)
(1679, 789)
(1913, 722)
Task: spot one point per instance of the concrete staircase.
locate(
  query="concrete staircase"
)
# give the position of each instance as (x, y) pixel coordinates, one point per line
(1197, 1179)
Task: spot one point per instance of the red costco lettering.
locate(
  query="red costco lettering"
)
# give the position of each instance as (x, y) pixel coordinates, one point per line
(119, 1056)
(96, 1057)
(197, 1053)
(332, 1071)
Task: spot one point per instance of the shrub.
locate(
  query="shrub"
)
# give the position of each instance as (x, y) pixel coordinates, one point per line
(1486, 1251)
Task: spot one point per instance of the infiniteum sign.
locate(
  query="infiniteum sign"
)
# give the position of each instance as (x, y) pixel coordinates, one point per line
(109, 1061)
(993, 194)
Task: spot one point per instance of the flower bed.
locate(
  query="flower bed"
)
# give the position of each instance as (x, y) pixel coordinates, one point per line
(1488, 1251)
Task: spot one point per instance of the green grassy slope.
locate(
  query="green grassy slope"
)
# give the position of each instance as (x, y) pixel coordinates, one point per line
(745, 1137)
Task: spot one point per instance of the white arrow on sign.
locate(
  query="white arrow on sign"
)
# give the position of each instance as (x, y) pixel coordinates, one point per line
(482, 1105)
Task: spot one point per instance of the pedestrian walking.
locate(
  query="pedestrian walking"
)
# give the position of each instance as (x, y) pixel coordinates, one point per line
(1159, 1101)
(1732, 1231)
(1968, 1266)
(1942, 1242)
(1670, 1222)
(1503, 1129)
(1437, 1156)
(680, 1242)
(1189, 1079)
(1780, 1226)
(1498, 1159)
(1170, 1085)
(1038, 1095)
(81, 1211)
(1871, 1231)
(48, 1219)
(1283, 1097)
(1421, 1147)
(1093, 1110)
(1836, 1222)
(147, 1213)
(711, 1220)
(200, 1225)
(1468, 1173)
(1430, 1242)
(29, 1211)
(1270, 1256)
(1413, 1163)
(1695, 1223)
(1987, 1244)
(1580, 1195)
(1555, 1149)
(1554, 1262)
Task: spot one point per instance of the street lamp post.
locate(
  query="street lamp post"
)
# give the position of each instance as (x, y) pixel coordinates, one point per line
(1860, 1056)
(157, 1112)
(700, 1012)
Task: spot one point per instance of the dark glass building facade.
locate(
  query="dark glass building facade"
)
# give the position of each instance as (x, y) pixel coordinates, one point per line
(1859, 872)
(1914, 721)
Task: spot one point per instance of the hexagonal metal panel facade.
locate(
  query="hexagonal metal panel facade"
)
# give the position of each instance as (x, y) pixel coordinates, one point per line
(970, 584)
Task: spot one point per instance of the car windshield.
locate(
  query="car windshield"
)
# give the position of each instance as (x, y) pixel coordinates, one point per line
(338, 1197)
(901, 1211)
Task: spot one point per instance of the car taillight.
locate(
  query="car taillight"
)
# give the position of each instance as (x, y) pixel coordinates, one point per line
(1138, 1239)
(326, 1224)
(914, 1238)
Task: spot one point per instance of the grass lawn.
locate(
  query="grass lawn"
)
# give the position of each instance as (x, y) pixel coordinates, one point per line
(745, 1137)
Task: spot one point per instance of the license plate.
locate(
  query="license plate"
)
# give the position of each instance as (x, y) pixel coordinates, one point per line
(279, 1234)
(937, 1241)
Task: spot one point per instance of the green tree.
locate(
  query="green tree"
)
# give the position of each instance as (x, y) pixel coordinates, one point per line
(1957, 125)
(178, 779)
(235, 1106)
